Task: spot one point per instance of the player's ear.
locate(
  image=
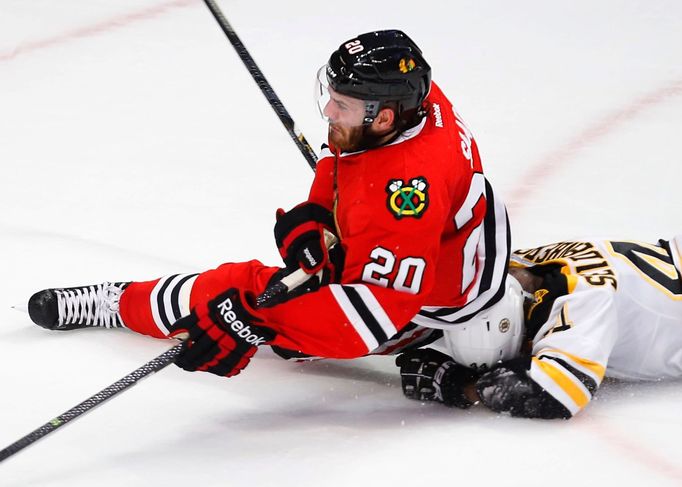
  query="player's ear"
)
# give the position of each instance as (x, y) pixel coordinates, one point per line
(385, 120)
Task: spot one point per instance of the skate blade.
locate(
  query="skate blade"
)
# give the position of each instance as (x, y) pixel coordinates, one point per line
(23, 308)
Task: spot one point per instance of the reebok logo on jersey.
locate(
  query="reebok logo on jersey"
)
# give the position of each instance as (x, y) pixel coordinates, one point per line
(243, 331)
(437, 115)
(404, 200)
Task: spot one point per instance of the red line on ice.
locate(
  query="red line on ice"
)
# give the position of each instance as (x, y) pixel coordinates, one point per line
(555, 160)
(633, 449)
(95, 29)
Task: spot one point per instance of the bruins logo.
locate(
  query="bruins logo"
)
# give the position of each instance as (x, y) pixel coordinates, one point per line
(407, 200)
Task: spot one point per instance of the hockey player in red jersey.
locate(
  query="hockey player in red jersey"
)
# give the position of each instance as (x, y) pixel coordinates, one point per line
(422, 239)
(593, 309)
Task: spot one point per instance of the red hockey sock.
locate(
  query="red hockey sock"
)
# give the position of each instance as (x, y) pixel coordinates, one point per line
(151, 307)
(136, 310)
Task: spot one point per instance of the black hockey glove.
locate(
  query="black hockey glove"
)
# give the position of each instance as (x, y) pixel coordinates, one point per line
(508, 389)
(429, 375)
(223, 335)
(299, 234)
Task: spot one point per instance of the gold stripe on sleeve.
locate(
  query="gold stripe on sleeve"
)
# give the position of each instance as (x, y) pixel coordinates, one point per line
(598, 369)
(566, 384)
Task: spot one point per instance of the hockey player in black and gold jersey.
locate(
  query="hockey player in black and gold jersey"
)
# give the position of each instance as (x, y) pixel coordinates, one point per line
(573, 313)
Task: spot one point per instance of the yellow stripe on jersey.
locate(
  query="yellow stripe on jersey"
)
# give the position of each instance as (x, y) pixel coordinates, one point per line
(565, 383)
(571, 279)
(598, 369)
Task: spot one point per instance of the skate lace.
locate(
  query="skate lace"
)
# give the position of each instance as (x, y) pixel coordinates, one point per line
(95, 305)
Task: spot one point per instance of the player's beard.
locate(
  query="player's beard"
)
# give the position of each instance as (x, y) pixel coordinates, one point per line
(352, 139)
(345, 139)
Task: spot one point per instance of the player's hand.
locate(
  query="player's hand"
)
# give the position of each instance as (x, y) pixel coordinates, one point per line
(509, 389)
(299, 234)
(223, 335)
(429, 375)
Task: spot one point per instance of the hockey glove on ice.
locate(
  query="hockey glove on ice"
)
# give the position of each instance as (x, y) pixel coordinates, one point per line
(223, 335)
(299, 234)
(508, 389)
(429, 375)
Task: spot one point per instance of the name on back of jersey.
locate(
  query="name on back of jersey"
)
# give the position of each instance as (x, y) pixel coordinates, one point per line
(583, 258)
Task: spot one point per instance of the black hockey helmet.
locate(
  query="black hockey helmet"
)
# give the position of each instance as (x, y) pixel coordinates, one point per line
(382, 67)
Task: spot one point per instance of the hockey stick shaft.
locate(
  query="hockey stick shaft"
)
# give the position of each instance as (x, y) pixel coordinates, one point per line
(264, 86)
(90, 403)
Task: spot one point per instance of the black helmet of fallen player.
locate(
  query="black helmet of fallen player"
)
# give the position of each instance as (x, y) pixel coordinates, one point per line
(385, 69)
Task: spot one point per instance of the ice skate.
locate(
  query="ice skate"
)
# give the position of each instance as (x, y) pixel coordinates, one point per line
(78, 307)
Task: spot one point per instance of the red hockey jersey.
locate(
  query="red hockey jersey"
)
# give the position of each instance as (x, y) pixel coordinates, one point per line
(425, 240)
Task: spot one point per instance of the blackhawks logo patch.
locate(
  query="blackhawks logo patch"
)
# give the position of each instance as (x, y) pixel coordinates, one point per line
(406, 65)
(407, 200)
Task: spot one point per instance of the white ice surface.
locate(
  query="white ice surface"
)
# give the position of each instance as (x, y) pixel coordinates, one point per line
(134, 144)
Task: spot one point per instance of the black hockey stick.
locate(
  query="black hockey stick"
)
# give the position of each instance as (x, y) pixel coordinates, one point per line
(264, 86)
(277, 289)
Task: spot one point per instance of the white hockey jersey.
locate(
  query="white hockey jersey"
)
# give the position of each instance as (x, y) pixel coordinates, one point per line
(605, 307)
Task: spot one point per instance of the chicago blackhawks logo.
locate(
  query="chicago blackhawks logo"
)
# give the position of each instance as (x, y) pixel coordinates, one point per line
(406, 65)
(407, 200)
